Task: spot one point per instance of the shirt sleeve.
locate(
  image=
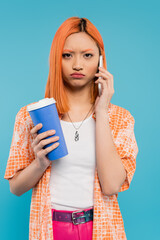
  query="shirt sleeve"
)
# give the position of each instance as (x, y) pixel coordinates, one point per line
(21, 153)
(127, 147)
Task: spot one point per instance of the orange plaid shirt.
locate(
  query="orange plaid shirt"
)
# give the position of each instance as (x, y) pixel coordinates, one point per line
(107, 219)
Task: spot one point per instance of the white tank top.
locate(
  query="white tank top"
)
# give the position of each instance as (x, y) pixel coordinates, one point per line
(72, 177)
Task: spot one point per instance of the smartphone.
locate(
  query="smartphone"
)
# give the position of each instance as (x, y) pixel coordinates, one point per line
(99, 84)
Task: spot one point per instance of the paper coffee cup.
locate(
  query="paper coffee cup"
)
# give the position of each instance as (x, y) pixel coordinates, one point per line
(44, 111)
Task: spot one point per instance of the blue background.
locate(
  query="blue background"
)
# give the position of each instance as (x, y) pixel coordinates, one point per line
(131, 34)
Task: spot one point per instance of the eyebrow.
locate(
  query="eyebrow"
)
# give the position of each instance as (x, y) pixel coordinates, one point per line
(89, 49)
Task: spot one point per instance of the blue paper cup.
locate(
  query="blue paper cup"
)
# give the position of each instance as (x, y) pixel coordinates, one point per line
(45, 112)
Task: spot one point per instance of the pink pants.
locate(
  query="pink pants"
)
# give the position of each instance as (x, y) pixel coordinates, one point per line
(69, 231)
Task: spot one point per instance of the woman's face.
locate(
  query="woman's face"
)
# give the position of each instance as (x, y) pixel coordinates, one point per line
(80, 55)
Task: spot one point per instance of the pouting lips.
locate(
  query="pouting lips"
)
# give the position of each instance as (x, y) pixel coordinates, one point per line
(77, 75)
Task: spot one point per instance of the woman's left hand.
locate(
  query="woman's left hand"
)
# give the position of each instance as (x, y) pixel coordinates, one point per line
(106, 81)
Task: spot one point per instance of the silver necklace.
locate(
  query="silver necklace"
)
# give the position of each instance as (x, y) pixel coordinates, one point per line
(76, 137)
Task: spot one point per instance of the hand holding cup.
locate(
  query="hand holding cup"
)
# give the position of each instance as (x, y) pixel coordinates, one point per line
(40, 141)
(45, 112)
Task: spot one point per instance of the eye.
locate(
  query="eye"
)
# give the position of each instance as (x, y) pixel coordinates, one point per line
(89, 54)
(65, 54)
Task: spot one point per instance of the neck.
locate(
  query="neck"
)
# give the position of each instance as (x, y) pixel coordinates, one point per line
(79, 99)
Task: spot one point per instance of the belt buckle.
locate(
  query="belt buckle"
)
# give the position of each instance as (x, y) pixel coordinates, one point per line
(83, 216)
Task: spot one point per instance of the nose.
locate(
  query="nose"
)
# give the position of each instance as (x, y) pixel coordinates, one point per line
(77, 64)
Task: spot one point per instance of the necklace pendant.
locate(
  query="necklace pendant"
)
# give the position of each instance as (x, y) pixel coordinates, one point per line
(76, 138)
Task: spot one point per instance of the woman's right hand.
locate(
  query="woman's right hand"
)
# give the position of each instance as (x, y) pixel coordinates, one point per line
(39, 142)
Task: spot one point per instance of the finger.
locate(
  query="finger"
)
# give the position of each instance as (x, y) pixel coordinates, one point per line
(103, 75)
(104, 70)
(48, 140)
(34, 135)
(45, 151)
(110, 84)
(43, 136)
(44, 142)
(104, 83)
(36, 128)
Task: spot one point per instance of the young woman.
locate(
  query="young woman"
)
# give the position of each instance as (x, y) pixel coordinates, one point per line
(75, 197)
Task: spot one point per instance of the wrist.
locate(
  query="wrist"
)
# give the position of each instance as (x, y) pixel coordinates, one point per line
(41, 166)
(101, 113)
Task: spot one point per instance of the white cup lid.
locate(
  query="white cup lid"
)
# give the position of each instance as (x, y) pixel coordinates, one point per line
(41, 103)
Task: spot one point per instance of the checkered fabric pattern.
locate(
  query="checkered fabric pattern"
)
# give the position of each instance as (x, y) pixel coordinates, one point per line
(107, 220)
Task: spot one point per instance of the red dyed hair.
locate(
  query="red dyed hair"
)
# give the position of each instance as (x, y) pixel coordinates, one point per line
(55, 87)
